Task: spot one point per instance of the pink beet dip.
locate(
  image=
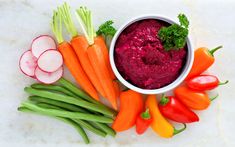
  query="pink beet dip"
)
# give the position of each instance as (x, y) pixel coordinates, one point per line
(141, 58)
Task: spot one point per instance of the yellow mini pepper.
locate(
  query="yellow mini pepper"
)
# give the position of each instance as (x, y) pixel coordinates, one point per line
(160, 125)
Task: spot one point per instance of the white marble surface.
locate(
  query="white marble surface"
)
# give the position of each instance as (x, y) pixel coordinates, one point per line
(212, 23)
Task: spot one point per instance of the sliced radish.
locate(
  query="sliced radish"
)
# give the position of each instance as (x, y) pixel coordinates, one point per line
(48, 78)
(41, 44)
(28, 63)
(50, 60)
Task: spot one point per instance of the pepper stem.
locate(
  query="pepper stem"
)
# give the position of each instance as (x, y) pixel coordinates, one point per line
(212, 51)
(180, 130)
(146, 114)
(223, 83)
(213, 98)
(164, 100)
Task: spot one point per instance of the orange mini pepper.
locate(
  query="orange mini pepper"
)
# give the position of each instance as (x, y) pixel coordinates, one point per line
(197, 100)
(131, 105)
(203, 59)
(159, 124)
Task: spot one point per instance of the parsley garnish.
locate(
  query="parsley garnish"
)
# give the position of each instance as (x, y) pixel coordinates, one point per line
(106, 29)
(174, 36)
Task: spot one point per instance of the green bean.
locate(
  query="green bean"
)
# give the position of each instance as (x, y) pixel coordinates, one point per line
(70, 86)
(102, 126)
(66, 120)
(77, 127)
(66, 106)
(47, 106)
(83, 123)
(89, 127)
(105, 128)
(53, 87)
(67, 114)
(70, 100)
(73, 88)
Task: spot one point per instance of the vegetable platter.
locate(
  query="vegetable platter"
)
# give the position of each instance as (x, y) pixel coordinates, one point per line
(70, 95)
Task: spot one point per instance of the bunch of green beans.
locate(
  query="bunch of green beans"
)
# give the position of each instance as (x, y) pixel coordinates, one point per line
(71, 105)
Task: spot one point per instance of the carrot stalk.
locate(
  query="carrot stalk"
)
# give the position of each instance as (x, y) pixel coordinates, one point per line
(80, 45)
(70, 58)
(96, 55)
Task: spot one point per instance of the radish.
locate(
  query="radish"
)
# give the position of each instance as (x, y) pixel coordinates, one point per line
(50, 60)
(42, 43)
(48, 78)
(28, 63)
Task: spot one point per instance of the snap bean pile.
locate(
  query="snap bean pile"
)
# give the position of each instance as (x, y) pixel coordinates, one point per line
(71, 105)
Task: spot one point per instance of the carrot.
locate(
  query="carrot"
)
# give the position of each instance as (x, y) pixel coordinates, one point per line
(80, 45)
(70, 58)
(105, 52)
(97, 60)
(104, 49)
(117, 88)
(98, 55)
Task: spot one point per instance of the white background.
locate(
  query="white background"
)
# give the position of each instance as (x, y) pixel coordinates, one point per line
(212, 23)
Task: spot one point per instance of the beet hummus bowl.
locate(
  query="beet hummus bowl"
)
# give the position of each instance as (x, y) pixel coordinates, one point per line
(141, 62)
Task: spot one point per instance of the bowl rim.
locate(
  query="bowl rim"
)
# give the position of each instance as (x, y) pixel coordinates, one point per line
(186, 69)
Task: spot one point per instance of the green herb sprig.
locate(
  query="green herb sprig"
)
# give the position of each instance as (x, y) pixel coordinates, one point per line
(106, 29)
(174, 36)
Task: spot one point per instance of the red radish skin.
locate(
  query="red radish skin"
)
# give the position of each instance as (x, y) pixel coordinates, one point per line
(48, 78)
(50, 60)
(42, 43)
(28, 63)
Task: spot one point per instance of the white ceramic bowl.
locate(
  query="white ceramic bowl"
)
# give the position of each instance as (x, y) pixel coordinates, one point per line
(181, 77)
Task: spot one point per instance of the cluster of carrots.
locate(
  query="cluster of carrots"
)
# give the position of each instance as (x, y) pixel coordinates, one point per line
(86, 56)
(192, 95)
